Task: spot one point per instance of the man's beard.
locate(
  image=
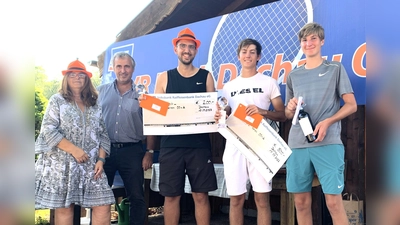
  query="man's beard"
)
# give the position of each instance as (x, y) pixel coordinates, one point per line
(187, 63)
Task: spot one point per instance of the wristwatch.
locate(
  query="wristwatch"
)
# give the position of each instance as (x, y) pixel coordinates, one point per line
(101, 159)
(150, 151)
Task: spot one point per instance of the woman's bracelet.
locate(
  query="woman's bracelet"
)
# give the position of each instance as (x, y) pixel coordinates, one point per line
(101, 159)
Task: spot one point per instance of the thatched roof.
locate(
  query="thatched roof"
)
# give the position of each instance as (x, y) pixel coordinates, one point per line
(165, 14)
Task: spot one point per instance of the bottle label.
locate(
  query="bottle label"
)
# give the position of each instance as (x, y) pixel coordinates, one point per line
(306, 126)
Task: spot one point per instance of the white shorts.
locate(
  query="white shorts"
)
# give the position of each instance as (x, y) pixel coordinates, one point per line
(238, 171)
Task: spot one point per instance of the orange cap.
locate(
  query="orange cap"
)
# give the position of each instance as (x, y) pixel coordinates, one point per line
(77, 66)
(186, 34)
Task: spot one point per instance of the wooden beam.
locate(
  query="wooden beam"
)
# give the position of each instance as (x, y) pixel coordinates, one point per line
(170, 16)
(235, 6)
(148, 19)
(144, 23)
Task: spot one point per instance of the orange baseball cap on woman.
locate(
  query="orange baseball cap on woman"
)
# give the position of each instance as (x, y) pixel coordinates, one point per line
(77, 66)
(186, 34)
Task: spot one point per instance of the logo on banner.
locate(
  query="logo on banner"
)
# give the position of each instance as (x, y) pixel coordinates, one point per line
(124, 48)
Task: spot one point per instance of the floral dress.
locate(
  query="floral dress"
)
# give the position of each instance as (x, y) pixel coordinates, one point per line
(60, 181)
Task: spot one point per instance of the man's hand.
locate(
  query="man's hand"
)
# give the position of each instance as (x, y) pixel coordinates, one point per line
(252, 109)
(292, 104)
(291, 108)
(141, 98)
(321, 129)
(147, 161)
(218, 114)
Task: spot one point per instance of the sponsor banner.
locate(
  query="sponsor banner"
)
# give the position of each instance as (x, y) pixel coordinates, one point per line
(274, 25)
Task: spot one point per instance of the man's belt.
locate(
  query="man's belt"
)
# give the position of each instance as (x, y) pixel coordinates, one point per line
(123, 145)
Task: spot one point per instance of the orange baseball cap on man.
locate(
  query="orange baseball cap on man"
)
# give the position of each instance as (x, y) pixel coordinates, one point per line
(186, 34)
(77, 66)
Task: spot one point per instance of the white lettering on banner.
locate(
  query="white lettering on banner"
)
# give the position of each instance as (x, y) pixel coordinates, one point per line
(357, 64)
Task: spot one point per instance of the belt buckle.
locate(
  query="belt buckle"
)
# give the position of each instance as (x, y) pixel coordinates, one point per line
(117, 145)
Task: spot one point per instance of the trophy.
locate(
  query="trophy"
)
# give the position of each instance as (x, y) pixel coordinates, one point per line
(141, 89)
(223, 103)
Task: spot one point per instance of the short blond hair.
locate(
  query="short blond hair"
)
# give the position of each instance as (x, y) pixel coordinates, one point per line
(312, 28)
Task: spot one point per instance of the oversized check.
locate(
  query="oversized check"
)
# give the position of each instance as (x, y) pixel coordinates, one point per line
(189, 113)
(261, 145)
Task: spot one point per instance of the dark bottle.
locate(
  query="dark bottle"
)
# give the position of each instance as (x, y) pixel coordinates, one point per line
(307, 126)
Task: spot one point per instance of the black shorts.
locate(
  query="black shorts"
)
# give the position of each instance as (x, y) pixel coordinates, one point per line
(196, 163)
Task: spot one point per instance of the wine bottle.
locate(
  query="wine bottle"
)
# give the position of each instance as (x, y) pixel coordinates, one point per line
(307, 126)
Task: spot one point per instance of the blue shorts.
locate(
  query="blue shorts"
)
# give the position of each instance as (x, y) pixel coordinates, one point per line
(326, 161)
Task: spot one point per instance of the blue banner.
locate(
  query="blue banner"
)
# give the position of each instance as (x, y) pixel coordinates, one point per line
(274, 25)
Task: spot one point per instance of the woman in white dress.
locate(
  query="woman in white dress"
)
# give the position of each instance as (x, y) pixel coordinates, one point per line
(72, 146)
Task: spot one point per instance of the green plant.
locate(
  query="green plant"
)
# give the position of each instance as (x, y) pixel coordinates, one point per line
(41, 221)
(40, 105)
